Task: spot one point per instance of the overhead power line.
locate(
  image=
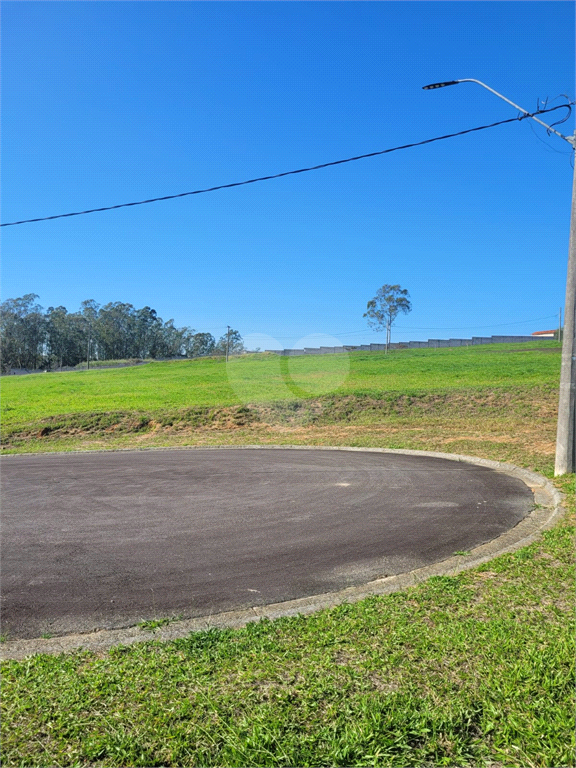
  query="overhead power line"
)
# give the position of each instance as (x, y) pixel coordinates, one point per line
(470, 327)
(404, 328)
(286, 173)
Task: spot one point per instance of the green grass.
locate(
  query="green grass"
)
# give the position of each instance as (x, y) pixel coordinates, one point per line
(152, 624)
(471, 670)
(263, 378)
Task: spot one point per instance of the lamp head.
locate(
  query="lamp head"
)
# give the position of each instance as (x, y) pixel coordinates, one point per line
(439, 85)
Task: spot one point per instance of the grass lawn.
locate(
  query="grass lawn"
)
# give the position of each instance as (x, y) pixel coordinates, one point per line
(475, 669)
(158, 387)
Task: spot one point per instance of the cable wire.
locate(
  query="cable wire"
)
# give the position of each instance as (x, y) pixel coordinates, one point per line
(406, 329)
(470, 327)
(285, 173)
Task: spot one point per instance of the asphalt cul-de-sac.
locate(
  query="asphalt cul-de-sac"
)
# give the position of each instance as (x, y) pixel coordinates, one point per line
(104, 540)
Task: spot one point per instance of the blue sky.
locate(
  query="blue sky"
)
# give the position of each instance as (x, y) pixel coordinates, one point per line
(111, 102)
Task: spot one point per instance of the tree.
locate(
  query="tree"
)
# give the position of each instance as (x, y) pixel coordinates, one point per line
(89, 312)
(189, 341)
(22, 332)
(147, 328)
(116, 331)
(65, 337)
(30, 337)
(202, 344)
(57, 336)
(232, 340)
(383, 309)
(171, 341)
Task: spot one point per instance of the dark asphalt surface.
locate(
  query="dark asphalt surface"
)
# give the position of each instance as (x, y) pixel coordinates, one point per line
(104, 540)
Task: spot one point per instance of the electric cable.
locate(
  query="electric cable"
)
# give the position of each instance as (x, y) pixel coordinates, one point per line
(404, 328)
(285, 173)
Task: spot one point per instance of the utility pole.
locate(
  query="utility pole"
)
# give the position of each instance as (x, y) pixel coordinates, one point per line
(88, 350)
(566, 428)
(227, 342)
(560, 325)
(566, 433)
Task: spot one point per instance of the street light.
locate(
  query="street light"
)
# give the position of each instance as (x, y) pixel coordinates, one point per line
(566, 430)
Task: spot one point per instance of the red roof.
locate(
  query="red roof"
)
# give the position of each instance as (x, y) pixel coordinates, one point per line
(541, 333)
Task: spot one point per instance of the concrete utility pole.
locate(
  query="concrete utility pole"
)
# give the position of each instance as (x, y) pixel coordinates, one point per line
(227, 342)
(566, 434)
(566, 429)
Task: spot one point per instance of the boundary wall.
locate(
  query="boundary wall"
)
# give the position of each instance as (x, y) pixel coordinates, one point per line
(405, 345)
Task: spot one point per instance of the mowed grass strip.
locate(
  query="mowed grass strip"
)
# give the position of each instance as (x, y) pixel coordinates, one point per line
(475, 669)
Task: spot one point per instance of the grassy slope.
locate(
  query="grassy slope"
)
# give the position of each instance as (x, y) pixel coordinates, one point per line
(258, 378)
(473, 670)
(499, 391)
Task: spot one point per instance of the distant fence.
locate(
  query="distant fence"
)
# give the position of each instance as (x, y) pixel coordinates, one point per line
(406, 345)
(94, 365)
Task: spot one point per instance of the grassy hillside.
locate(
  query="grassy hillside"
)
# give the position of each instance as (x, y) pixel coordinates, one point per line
(204, 400)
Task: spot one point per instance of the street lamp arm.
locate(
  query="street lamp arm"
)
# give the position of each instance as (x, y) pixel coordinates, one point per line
(570, 139)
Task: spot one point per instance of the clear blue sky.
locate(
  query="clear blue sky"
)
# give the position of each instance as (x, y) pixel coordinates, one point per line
(110, 102)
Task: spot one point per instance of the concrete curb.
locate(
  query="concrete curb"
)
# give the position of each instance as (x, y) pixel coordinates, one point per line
(547, 512)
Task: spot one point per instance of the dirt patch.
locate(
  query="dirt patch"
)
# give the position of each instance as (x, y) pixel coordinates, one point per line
(118, 423)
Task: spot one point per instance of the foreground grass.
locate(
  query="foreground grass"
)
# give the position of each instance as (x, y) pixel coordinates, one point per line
(476, 669)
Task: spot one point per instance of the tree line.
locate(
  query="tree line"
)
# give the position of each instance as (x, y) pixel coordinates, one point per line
(32, 338)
